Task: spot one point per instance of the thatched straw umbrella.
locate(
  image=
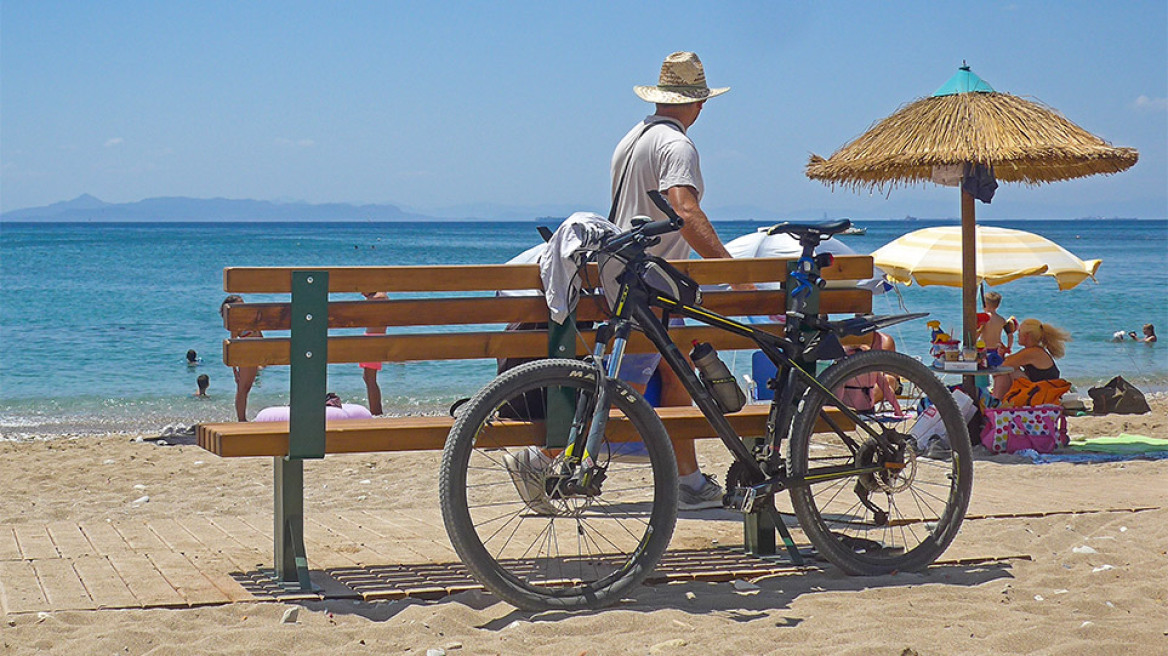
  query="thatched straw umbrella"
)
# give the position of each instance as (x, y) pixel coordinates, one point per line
(966, 121)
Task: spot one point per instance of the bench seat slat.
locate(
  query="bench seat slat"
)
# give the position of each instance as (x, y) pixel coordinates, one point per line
(429, 433)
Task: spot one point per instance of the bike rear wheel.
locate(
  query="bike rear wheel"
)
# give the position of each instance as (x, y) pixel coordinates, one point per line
(519, 535)
(902, 516)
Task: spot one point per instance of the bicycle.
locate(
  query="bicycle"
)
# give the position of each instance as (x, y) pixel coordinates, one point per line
(578, 526)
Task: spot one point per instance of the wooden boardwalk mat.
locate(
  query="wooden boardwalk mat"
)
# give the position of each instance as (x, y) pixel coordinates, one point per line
(437, 580)
(197, 561)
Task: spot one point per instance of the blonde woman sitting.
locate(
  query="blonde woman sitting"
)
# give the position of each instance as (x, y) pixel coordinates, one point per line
(1041, 344)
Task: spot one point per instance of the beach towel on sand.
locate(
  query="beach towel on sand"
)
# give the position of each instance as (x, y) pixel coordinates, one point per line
(1122, 443)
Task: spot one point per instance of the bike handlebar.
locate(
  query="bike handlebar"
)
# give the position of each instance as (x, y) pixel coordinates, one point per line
(662, 204)
(658, 228)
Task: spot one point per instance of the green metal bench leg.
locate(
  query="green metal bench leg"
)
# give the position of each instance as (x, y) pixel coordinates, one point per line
(291, 559)
(561, 406)
(758, 532)
(758, 529)
(306, 424)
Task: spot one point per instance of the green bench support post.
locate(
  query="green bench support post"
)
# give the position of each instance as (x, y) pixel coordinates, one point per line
(561, 406)
(306, 429)
(758, 528)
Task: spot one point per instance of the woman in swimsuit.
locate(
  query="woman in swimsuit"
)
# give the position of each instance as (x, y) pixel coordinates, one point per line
(244, 376)
(1041, 344)
(866, 391)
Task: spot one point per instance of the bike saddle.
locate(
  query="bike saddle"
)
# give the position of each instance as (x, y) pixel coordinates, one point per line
(819, 231)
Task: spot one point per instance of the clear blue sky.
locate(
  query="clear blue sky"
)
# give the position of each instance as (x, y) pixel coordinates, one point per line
(450, 107)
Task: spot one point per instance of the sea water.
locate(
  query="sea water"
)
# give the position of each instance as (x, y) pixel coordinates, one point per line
(96, 319)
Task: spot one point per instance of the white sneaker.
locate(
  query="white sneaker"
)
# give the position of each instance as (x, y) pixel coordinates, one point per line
(709, 495)
(528, 469)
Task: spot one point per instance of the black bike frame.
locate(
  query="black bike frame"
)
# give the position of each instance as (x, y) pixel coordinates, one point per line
(635, 302)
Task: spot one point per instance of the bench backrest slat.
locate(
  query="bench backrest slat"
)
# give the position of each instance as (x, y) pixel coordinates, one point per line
(489, 277)
(502, 310)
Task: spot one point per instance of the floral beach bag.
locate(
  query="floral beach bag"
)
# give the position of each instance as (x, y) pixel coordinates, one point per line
(1040, 427)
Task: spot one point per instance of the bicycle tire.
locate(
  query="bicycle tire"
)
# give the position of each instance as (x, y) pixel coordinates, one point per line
(924, 503)
(511, 543)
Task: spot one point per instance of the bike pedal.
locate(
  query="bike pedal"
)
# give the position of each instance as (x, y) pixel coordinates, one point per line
(745, 500)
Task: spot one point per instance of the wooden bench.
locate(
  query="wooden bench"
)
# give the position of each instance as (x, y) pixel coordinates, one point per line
(308, 347)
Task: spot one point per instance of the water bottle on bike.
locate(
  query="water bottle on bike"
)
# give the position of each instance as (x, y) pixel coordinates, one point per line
(717, 377)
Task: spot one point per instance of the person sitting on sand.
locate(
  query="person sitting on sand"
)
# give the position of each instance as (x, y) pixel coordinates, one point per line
(203, 382)
(245, 377)
(1042, 344)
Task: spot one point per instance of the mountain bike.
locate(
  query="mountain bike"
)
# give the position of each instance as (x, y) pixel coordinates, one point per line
(577, 523)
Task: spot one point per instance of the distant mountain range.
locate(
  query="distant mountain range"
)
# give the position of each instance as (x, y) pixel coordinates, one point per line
(86, 208)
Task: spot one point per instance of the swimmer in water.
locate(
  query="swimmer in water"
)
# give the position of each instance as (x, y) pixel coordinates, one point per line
(203, 381)
(1149, 334)
(193, 359)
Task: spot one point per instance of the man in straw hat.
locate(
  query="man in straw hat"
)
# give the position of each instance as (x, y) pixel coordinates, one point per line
(658, 155)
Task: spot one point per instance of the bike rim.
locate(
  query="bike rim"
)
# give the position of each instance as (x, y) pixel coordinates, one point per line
(556, 547)
(911, 507)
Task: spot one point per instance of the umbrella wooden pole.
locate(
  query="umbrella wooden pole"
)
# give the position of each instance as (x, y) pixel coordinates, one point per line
(968, 282)
(968, 270)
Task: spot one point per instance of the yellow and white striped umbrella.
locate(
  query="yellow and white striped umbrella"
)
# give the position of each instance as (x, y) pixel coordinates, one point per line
(932, 256)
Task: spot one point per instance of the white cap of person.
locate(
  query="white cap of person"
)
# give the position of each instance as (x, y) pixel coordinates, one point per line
(682, 80)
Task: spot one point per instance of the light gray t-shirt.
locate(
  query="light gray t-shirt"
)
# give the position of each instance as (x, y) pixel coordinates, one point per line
(663, 157)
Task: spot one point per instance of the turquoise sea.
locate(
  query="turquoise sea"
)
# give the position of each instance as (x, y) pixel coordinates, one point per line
(95, 319)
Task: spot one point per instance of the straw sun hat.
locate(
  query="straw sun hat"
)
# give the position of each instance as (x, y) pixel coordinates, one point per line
(683, 80)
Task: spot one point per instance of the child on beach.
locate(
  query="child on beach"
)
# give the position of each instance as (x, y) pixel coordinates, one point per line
(369, 369)
(990, 332)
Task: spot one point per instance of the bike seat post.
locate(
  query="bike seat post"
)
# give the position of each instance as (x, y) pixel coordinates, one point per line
(808, 304)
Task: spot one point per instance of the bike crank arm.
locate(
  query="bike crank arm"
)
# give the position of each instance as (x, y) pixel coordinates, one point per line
(754, 496)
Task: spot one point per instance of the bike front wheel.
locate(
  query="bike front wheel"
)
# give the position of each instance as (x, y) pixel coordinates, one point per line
(907, 506)
(504, 502)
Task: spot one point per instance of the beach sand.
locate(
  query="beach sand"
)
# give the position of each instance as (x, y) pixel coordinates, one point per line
(1025, 584)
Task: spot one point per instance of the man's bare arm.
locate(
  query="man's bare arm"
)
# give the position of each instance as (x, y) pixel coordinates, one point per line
(697, 230)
